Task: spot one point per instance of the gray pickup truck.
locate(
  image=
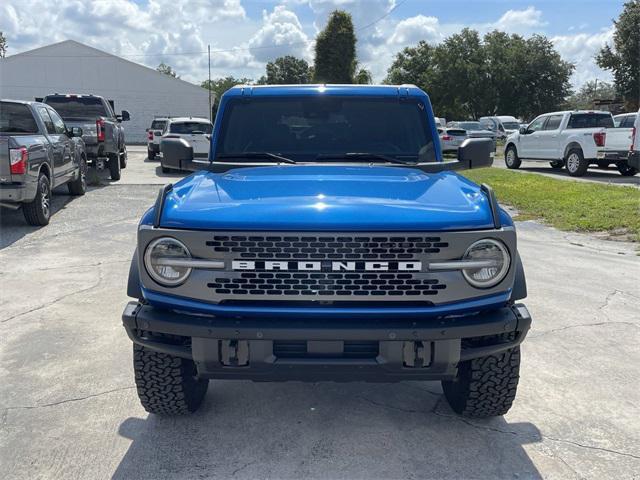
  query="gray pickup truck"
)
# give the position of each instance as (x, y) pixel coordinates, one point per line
(103, 132)
(38, 152)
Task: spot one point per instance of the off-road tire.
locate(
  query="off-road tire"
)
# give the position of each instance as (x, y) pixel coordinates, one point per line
(557, 164)
(511, 159)
(603, 163)
(486, 386)
(79, 185)
(167, 385)
(38, 211)
(114, 167)
(123, 158)
(575, 163)
(626, 170)
(151, 155)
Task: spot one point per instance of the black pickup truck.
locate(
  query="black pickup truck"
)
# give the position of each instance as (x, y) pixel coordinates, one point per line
(38, 152)
(103, 132)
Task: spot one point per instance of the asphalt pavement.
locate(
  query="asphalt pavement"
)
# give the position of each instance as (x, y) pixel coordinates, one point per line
(68, 406)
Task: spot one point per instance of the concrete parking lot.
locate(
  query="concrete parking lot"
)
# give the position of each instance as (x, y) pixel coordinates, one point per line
(68, 406)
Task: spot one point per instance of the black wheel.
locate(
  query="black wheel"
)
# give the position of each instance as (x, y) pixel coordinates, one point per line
(557, 164)
(167, 385)
(114, 167)
(575, 163)
(511, 159)
(485, 386)
(151, 155)
(123, 158)
(38, 211)
(603, 163)
(626, 170)
(79, 185)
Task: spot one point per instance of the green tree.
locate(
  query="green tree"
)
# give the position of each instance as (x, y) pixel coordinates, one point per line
(363, 77)
(335, 60)
(167, 70)
(220, 85)
(590, 91)
(624, 58)
(287, 70)
(3, 45)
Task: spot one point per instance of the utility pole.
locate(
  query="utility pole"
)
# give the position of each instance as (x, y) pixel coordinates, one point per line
(209, 84)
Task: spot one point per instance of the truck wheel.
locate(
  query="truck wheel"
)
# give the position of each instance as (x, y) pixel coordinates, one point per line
(485, 386)
(38, 211)
(575, 162)
(123, 158)
(557, 164)
(114, 167)
(151, 155)
(79, 185)
(626, 170)
(511, 159)
(167, 385)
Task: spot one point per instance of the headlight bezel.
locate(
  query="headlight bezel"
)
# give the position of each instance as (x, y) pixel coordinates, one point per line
(148, 264)
(501, 275)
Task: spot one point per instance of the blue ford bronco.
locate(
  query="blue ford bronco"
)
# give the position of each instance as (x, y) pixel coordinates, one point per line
(327, 239)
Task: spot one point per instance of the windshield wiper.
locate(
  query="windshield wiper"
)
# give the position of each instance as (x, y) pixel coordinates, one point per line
(363, 156)
(254, 155)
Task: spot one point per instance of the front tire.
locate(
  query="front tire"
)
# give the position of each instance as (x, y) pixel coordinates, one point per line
(511, 159)
(114, 167)
(486, 386)
(151, 155)
(575, 163)
(626, 170)
(38, 211)
(123, 158)
(167, 385)
(79, 185)
(557, 164)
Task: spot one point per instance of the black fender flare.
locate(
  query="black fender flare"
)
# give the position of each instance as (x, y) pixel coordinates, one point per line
(133, 284)
(519, 282)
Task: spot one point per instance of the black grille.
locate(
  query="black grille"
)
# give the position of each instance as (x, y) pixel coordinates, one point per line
(331, 247)
(351, 349)
(326, 284)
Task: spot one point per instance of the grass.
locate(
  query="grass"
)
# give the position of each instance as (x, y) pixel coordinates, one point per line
(567, 205)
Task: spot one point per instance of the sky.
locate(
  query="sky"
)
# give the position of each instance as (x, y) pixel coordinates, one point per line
(245, 34)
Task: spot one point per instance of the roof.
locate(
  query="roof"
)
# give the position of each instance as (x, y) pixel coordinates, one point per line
(91, 52)
(187, 119)
(325, 89)
(9, 100)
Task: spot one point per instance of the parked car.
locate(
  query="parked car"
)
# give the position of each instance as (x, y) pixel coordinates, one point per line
(327, 240)
(474, 130)
(502, 125)
(451, 138)
(617, 144)
(440, 122)
(38, 152)
(570, 138)
(634, 155)
(195, 131)
(154, 135)
(103, 133)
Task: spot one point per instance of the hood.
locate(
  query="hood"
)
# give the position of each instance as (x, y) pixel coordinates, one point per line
(326, 198)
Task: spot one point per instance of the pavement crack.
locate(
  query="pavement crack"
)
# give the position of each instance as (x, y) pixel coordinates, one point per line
(392, 407)
(242, 467)
(56, 300)
(596, 324)
(68, 400)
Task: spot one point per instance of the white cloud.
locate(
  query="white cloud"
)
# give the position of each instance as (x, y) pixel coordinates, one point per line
(411, 30)
(515, 21)
(282, 28)
(580, 49)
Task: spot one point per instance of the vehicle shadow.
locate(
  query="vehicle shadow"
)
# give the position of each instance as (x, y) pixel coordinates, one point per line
(13, 225)
(604, 175)
(328, 430)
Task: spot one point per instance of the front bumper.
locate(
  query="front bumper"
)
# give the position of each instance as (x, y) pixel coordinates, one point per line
(271, 349)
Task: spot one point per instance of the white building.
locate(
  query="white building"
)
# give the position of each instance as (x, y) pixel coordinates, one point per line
(72, 67)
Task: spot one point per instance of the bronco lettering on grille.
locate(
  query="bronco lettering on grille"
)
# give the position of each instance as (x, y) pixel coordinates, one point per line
(327, 266)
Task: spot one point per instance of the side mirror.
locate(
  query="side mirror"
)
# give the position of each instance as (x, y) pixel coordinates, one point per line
(176, 152)
(125, 116)
(523, 130)
(476, 153)
(75, 132)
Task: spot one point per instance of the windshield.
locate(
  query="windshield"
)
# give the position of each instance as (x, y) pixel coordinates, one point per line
(77, 107)
(190, 127)
(302, 128)
(158, 124)
(511, 125)
(470, 125)
(16, 118)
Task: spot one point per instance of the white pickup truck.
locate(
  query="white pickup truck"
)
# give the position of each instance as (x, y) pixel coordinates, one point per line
(570, 138)
(617, 144)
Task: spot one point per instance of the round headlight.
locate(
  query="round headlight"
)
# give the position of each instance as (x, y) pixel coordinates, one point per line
(493, 263)
(162, 261)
